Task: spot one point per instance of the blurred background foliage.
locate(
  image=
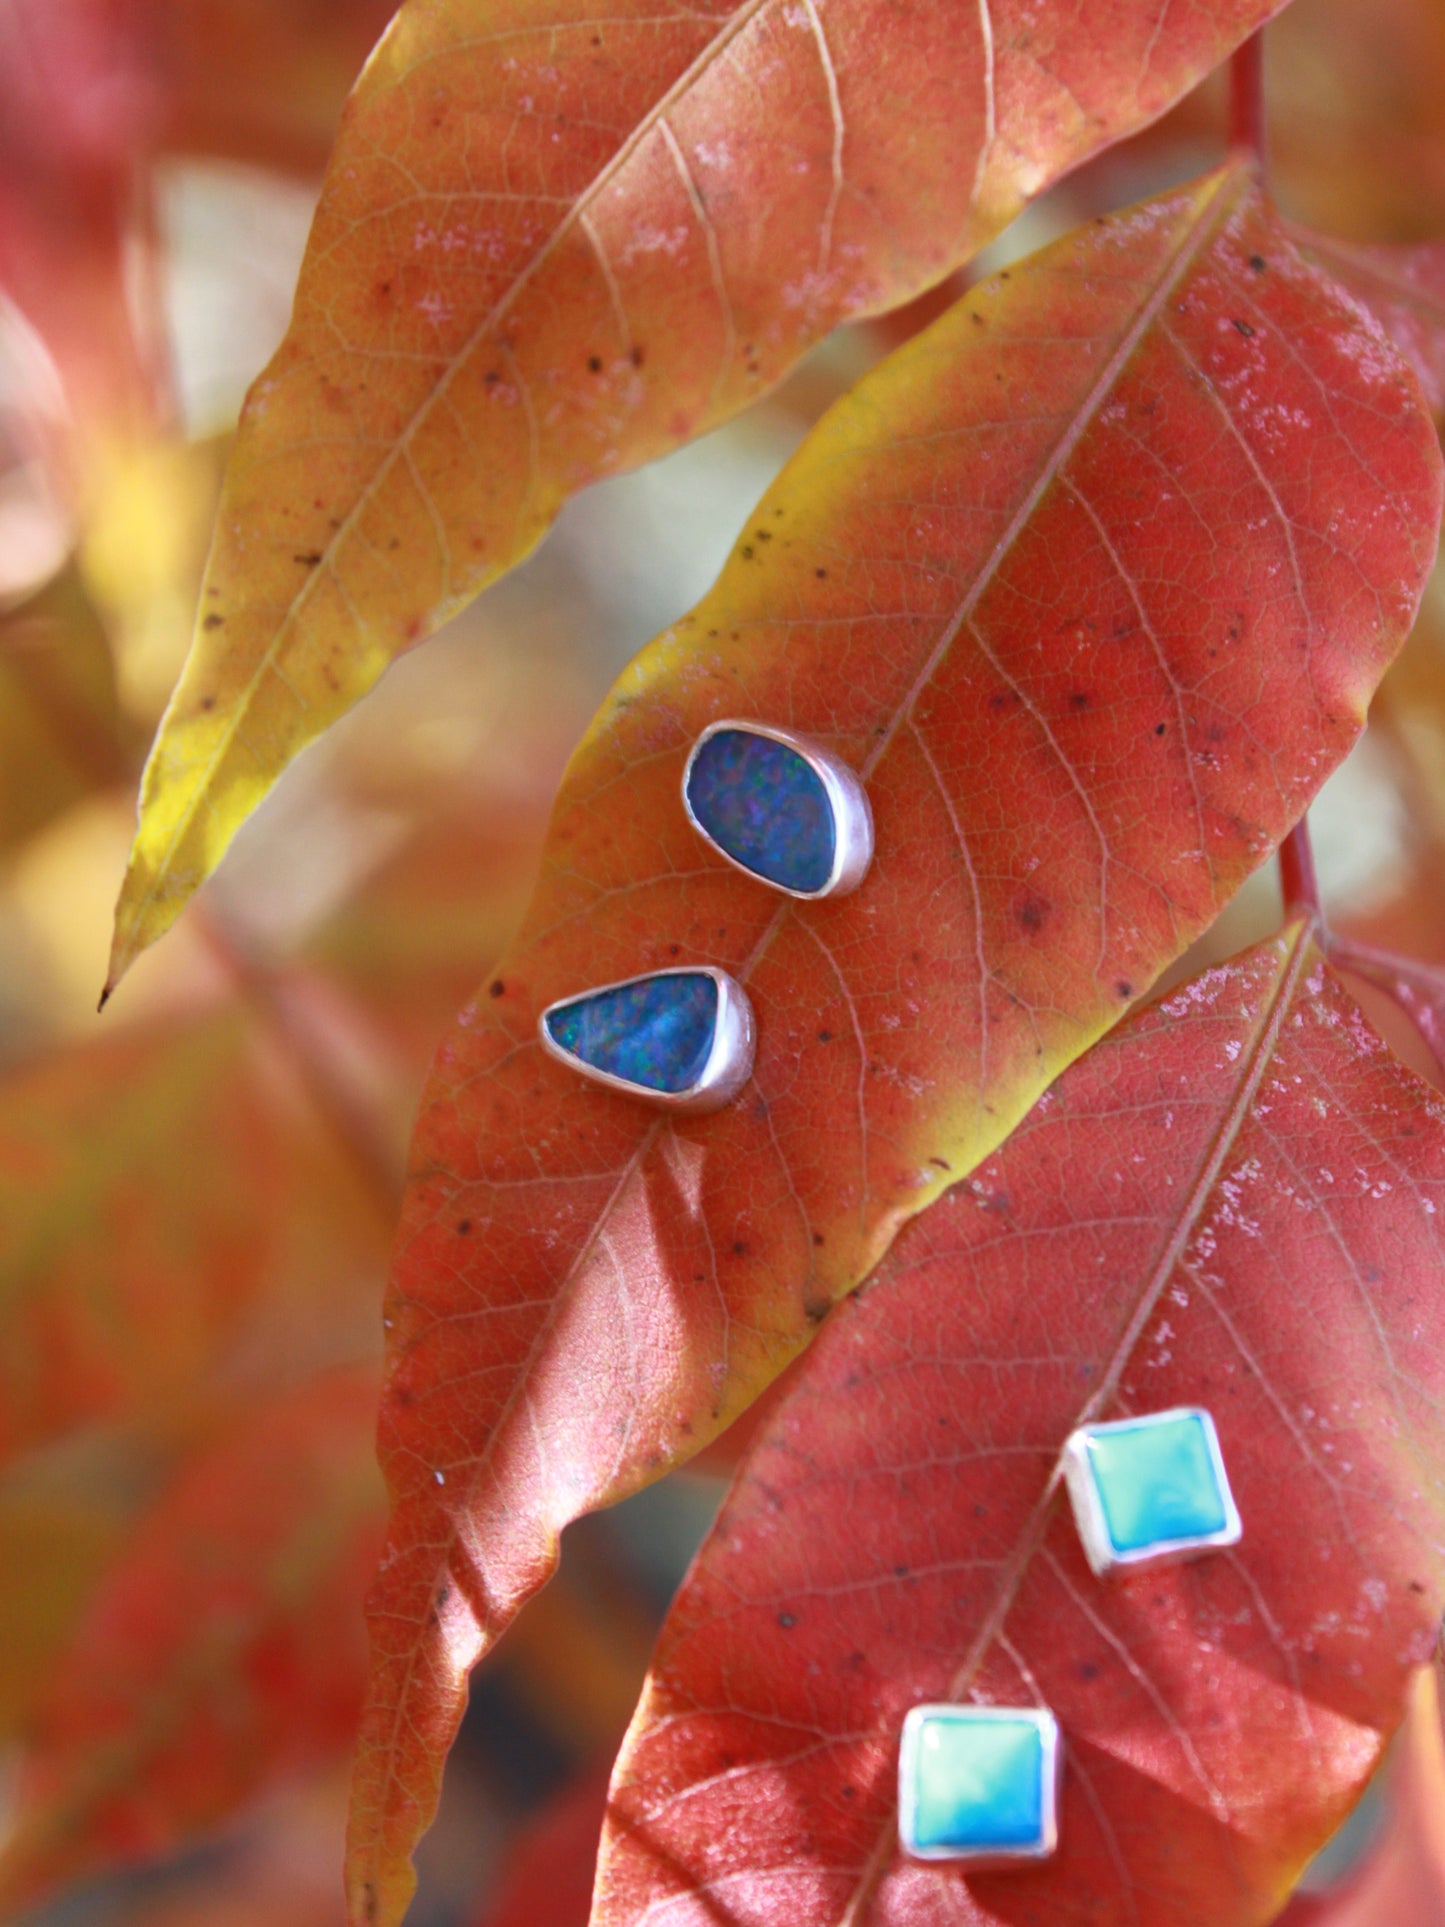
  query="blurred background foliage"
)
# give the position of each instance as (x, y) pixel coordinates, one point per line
(197, 1192)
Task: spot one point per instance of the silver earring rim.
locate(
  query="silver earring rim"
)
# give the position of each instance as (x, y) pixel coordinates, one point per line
(852, 812)
(729, 1062)
(1051, 1774)
(1105, 1559)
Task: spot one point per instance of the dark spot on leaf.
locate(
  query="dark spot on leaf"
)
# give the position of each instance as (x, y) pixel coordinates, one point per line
(213, 621)
(825, 1036)
(674, 950)
(1032, 911)
(1087, 1669)
(1079, 699)
(464, 1226)
(1243, 327)
(492, 377)
(764, 535)
(816, 1310)
(900, 1572)
(1415, 1586)
(638, 357)
(309, 560)
(1256, 261)
(1003, 699)
(747, 552)
(818, 1238)
(208, 702)
(1160, 728)
(1124, 987)
(849, 1792)
(787, 1621)
(496, 988)
(822, 574)
(594, 362)
(740, 1250)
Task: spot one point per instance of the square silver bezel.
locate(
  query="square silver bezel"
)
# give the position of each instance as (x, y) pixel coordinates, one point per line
(729, 1061)
(1050, 1774)
(1088, 1506)
(847, 798)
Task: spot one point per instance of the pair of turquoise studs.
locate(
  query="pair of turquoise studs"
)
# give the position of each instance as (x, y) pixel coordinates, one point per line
(784, 811)
(979, 1785)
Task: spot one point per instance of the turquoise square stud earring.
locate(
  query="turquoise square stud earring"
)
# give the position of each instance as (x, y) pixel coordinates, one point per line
(1149, 1491)
(979, 1784)
(779, 807)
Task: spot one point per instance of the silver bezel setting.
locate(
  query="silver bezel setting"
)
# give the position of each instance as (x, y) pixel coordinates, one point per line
(1051, 1771)
(729, 1062)
(1093, 1525)
(852, 814)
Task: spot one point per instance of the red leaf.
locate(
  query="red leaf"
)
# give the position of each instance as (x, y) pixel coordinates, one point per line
(548, 1877)
(223, 1653)
(1236, 1201)
(1403, 287)
(1091, 581)
(1417, 988)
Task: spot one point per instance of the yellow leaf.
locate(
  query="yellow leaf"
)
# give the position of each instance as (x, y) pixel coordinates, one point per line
(550, 248)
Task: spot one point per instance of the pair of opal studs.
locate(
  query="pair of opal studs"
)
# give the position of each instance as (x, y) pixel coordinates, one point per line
(979, 1785)
(787, 813)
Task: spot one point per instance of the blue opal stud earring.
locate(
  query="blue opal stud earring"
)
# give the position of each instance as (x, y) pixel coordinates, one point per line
(780, 808)
(680, 1038)
(979, 1784)
(1149, 1491)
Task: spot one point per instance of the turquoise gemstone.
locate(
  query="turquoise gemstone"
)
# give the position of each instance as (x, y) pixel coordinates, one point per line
(656, 1033)
(1156, 1482)
(766, 806)
(978, 1785)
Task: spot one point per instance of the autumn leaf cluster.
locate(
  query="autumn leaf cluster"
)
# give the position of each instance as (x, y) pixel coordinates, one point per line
(1107, 366)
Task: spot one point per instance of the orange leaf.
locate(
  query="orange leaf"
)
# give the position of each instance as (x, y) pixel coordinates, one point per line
(53, 1551)
(59, 731)
(1091, 582)
(154, 1188)
(1402, 1883)
(225, 1651)
(550, 247)
(1236, 1201)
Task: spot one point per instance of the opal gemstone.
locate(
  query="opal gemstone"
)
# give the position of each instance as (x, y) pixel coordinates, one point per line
(1156, 1482)
(978, 1785)
(766, 806)
(656, 1033)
